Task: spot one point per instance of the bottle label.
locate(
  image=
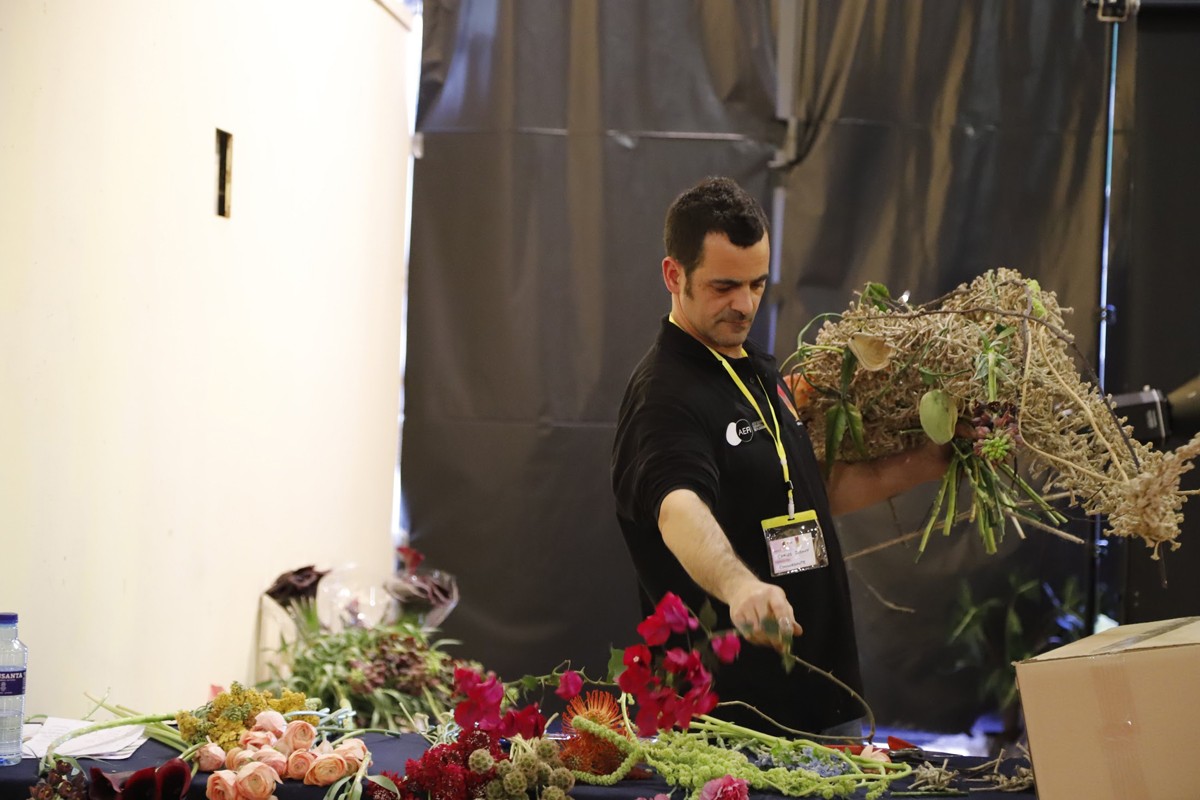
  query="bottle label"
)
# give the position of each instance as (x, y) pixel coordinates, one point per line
(12, 682)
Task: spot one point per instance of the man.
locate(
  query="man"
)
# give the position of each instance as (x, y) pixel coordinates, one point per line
(718, 492)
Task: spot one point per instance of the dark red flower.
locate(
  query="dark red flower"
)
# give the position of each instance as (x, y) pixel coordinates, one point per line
(167, 782)
(527, 722)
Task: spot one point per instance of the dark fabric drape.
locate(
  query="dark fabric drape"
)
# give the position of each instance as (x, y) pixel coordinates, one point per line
(934, 140)
(1155, 338)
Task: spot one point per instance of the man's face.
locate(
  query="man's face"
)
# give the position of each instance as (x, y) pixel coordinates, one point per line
(717, 302)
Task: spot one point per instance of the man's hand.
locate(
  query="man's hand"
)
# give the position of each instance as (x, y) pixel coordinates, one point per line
(762, 614)
(759, 610)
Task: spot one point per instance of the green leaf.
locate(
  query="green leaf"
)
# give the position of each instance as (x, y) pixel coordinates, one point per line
(385, 782)
(939, 415)
(707, 616)
(929, 377)
(616, 663)
(835, 429)
(849, 362)
(877, 295)
(855, 423)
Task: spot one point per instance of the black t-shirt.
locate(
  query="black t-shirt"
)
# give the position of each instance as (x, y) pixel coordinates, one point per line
(684, 423)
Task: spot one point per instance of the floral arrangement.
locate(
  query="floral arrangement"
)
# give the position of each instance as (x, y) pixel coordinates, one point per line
(266, 748)
(393, 675)
(671, 690)
(993, 358)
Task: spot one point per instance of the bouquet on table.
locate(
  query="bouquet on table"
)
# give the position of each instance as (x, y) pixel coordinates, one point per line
(364, 642)
(659, 717)
(248, 739)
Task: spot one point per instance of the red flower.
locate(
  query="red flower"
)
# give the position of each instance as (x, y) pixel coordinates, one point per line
(676, 614)
(528, 722)
(481, 708)
(679, 660)
(635, 679)
(726, 788)
(569, 685)
(654, 629)
(727, 647)
(412, 558)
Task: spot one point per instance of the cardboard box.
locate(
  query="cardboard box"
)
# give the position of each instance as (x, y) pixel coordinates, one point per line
(1114, 715)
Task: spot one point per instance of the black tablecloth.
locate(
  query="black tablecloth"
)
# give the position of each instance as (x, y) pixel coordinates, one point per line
(391, 753)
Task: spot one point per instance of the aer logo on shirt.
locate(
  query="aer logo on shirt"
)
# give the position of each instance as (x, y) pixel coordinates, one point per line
(742, 431)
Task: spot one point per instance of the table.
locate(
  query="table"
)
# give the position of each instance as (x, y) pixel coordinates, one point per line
(391, 753)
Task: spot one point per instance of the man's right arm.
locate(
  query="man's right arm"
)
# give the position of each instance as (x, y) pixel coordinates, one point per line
(694, 536)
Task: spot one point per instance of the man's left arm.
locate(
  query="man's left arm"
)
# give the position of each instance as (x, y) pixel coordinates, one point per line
(853, 486)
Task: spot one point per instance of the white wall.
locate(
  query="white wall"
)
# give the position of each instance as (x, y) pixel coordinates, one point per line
(191, 405)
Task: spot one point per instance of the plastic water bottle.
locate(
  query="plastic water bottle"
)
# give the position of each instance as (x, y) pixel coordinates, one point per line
(13, 658)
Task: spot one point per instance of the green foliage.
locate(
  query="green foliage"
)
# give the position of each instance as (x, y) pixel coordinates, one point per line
(391, 676)
(1028, 619)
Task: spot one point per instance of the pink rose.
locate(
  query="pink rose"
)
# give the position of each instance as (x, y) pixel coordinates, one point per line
(325, 770)
(299, 762)
(298, 735)
(256, 781)
(210, 757)
(353, 750)
(355, 746)
(273, 759)
(238, 757)
(270, 721)
(221, 785)
(256, 739)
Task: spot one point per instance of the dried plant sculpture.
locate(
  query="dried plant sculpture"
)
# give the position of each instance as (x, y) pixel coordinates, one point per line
(996, 355)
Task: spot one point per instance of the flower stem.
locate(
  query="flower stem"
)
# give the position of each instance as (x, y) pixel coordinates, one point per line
(146, 720)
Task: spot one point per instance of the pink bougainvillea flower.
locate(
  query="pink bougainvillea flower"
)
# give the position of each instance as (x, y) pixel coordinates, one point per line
(481, 708)
(637, 675)
(679, 660)
(676, 614)
(569, 685)
(528, 722)
(654, 630)
(727, 647)
(726, 788)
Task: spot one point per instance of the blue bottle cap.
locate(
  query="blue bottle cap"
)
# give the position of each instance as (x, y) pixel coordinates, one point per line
(8, 618)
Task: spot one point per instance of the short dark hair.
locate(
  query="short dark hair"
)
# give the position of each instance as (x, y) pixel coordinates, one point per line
(715, 205)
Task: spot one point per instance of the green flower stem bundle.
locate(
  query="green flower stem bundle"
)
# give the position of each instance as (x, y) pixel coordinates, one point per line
(713, 748)
(993, 356)
(393, 677)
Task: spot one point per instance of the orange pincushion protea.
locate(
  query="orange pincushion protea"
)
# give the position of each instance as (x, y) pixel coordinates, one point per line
(583, 751)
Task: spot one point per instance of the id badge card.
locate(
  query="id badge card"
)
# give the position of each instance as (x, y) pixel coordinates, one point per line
(795, 544)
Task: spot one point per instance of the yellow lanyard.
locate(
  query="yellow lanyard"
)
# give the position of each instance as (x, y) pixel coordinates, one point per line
(775, 434)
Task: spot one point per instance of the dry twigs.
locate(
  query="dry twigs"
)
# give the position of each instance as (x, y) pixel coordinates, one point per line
(994, 354)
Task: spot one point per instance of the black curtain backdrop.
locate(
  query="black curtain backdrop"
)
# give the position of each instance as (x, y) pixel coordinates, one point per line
(1155, 340)
(933, 140)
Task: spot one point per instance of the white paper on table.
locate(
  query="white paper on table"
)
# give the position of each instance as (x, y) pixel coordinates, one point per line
(112, 743)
